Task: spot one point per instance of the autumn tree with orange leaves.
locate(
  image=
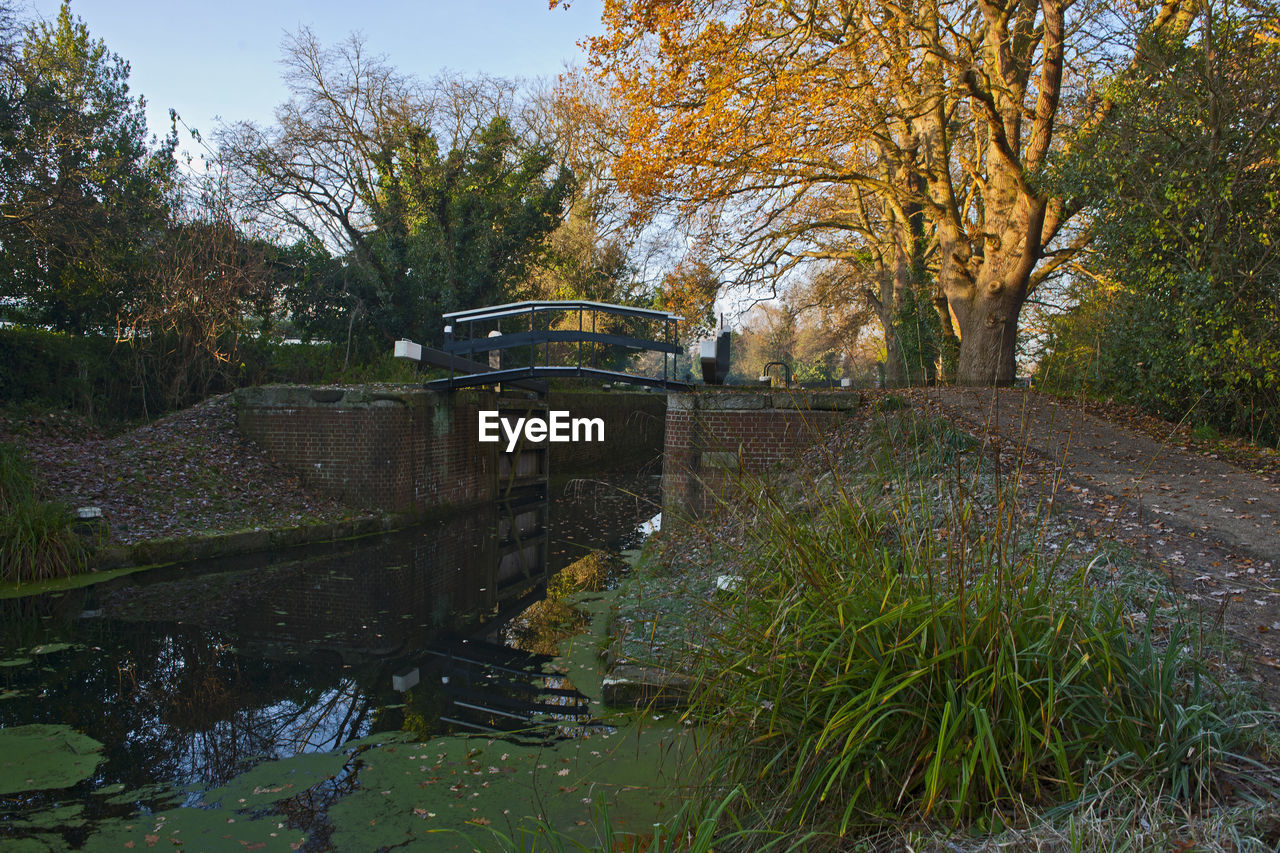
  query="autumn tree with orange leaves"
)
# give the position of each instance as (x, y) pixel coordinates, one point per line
(906, 140)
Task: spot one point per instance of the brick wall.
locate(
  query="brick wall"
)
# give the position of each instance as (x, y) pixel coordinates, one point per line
(389, 449)
(715, 436)
(408, 449)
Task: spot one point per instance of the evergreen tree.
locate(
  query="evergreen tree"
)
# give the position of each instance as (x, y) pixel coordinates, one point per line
(1182, 312)
(80, 192)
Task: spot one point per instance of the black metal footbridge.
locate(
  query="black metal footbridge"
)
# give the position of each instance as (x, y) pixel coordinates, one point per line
(518, 340)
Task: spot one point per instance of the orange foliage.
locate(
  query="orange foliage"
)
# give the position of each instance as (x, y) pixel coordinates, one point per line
(690, 291)
(901, 138)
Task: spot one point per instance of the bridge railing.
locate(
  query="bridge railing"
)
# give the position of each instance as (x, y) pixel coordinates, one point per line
(533, 327)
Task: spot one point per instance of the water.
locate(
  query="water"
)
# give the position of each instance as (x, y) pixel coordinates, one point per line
(190, 676)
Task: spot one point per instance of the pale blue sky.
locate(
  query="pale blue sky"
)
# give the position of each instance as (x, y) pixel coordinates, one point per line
(221, 58)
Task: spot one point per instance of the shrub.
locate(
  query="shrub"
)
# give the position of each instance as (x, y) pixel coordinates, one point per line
(37, 542)
(266, 361)
(16, 483)
(92, 375)
(119, 381)
(1178, 310)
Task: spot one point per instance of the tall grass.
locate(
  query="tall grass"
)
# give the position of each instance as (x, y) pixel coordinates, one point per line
(37, 541)
(16, 483)
(899, 648)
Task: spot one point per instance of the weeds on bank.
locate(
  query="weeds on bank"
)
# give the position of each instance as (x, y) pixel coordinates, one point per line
(911, 659)
(37, 541)
(902, 647)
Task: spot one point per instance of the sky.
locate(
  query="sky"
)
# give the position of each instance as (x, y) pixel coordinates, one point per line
(221, 60)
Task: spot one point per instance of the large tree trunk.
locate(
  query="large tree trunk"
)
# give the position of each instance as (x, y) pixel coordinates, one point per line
(895, 367)
(988, 338)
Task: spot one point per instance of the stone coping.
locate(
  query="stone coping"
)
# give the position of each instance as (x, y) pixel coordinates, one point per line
(307, 396)
(315, 396)
(236, 543)
(740, 400)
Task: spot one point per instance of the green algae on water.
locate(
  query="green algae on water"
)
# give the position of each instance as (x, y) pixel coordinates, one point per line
(50, 648)
(197, 829)
(272, 781)
(40, 757)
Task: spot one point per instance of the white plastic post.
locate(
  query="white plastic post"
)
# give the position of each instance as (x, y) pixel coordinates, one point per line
(495, 355)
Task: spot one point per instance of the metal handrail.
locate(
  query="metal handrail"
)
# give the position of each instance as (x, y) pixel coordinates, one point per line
(786, 371)
(514, 309)
(534, 337)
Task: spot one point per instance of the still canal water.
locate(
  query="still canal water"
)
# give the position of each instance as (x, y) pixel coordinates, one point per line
(356, 695)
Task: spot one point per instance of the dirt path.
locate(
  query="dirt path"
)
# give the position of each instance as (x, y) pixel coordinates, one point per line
(1212, 526)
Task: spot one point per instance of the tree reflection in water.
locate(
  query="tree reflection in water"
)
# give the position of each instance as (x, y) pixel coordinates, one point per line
(192, 675)
(179, 703)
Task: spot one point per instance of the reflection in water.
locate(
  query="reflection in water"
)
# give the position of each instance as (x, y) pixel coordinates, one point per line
(488, 687)
(193, 674)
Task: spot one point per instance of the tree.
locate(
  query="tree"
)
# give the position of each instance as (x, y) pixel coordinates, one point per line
(835, 321)
(818, 343)
(201, 276)
(474, 220)
(354, 169)
(100, 234)
(80, 192)
(1180, 307)
(10, 95)
(10, 39)
(689, 291)
(589, 255)
(905, 140)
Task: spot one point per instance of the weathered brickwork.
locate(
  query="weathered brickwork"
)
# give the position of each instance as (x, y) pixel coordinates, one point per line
(397, 450)
(408, 449)
(713, 437)
(414, 450)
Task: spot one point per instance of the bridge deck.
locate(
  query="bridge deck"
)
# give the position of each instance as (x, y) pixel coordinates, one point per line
(522, 374)
(460, 349)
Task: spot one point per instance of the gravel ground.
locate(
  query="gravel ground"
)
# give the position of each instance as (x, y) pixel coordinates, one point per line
(187, 474)
(1205, 516)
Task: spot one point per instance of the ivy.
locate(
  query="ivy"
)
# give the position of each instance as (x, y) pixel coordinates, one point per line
(918, 333)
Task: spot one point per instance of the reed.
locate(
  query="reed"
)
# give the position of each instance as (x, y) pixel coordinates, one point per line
(16, 483)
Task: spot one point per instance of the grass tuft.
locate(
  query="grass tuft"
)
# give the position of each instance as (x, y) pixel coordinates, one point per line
(37, 540)
(900, 649)
(16, 483)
